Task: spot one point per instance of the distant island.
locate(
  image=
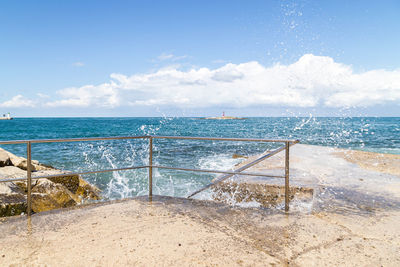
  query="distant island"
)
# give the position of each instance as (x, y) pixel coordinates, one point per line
(223, 117)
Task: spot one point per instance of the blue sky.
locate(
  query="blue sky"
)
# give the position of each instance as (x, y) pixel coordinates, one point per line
(56, 57)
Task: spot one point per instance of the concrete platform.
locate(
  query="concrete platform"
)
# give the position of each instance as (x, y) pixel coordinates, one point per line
(353, 221)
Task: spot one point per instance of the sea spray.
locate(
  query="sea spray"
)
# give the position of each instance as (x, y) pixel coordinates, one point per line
(370, 134)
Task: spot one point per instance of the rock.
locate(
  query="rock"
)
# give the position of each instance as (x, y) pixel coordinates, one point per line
(88, 191)
(4, 158)
(267, 195)
(9, 188)
(237, 156)
(74, 183)
(63, 191)
(12, 172)
(43, 202)
(15, 160)
(71, 182)
(47, 195)
(22, 163)
(12, 204)
(12, 200)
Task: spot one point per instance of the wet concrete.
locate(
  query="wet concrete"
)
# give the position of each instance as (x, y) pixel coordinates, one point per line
(269, 235)
(352, 220)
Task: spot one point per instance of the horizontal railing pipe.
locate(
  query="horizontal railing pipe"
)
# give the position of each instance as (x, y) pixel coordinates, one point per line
(225, 139)
(218, 171)
(140, 167)
(36, 141)
(72, 173)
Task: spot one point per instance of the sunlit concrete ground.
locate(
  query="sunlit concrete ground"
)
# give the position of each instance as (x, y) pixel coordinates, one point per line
(352, 221)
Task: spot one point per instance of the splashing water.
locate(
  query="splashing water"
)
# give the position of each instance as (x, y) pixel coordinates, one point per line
(370, 134)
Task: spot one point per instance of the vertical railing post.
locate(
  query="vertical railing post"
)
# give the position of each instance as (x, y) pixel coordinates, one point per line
(29, 178)
(287, 176)
(150, 166)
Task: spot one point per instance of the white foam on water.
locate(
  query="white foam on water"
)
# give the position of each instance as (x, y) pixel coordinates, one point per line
(228, 199)
(297, 205)
(301, 206)
(304, 122)
(163, 184)
(119, 183)
(220, 162)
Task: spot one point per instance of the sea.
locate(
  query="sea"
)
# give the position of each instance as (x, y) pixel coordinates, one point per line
(375, 134)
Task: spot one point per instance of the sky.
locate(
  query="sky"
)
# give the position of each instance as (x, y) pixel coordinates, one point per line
(199, 58)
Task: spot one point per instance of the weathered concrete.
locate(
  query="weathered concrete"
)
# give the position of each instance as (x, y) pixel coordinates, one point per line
(352, 221)
(170, 231)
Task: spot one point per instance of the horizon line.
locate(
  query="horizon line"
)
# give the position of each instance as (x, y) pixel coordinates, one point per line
(290, 116)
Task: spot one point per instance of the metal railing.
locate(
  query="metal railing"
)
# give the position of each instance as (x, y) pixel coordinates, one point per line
(150, 166)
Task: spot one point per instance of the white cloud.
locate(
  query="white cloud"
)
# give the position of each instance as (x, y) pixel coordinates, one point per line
(165, 56)
(78, 64)
(312, 81)
(103, 95)
(18, 101)
(218, 61)
(42, 95)
(170, 57)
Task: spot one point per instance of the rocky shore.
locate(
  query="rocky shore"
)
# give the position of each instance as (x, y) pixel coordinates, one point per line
(47, 194)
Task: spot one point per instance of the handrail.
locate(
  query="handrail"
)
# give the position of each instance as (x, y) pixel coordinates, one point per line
(225, 139)
(72, 174)
(258, 160)
(35, 141)
(239, 171)
(217, 171)
(150, 166)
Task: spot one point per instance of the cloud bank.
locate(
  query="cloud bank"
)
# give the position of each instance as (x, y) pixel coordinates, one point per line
(18, 101)
(312, 81)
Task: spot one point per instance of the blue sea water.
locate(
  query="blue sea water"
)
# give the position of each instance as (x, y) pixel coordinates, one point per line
(370, 134)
